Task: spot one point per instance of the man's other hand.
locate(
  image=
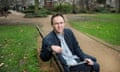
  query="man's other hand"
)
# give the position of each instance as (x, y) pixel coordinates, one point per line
(89, 61)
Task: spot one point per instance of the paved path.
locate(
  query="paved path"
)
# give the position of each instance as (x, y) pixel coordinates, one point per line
(109, 59)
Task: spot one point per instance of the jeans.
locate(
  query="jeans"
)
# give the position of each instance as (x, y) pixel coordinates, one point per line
(85, 68)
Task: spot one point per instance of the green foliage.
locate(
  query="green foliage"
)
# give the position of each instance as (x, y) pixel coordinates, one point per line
(30, 9)
(82, 11)
(18, 47)
(29, 15)
(64, 8)
(103, 26)
(44, 11)
(41, 13)
(107, 9)
(101, 10)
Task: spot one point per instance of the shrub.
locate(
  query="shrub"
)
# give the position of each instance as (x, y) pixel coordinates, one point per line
(29, 15)
(30, 9)
(101, 10)
(82, 11)
(42, 13)
(64, 8)
(113, 10)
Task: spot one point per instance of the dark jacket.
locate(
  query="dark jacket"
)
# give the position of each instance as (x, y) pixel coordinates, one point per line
(51, 39)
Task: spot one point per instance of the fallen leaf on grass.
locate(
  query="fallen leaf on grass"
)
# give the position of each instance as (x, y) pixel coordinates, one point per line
(25, 71)
(21, 30)
(1, 64)
(2, 57)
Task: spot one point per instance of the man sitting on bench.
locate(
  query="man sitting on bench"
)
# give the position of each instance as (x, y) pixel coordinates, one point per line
(63, 42)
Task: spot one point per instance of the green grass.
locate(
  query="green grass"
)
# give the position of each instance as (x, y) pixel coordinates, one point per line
(18, 48)
(103, 26)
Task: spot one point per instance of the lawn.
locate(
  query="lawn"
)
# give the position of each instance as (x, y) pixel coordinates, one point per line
(103, 26)
(18, 48)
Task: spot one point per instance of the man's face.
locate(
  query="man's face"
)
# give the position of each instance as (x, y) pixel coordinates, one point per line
(58, 24)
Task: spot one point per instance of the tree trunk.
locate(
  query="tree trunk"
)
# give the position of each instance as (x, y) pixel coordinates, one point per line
(36, 6)
(81, 4)
(87, 4)
(73, 3)
(44, 3)
(23, 2)
(119, 6)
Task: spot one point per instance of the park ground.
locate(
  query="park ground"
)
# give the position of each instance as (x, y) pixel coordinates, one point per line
(108, 58)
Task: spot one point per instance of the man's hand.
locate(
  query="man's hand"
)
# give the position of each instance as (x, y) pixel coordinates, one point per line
(89, 61)
(56, 49)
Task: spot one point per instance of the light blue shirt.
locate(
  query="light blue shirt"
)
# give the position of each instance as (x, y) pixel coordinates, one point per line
(66, 53)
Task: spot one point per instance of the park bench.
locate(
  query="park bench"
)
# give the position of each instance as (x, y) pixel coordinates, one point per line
(54, 61)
